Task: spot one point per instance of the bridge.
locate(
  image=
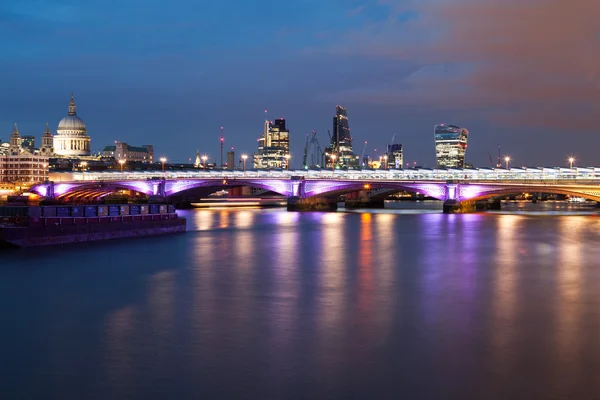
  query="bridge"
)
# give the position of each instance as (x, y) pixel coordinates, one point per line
(456, 187)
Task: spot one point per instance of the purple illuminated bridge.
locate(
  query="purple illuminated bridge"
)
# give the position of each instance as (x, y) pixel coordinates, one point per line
(455, 191)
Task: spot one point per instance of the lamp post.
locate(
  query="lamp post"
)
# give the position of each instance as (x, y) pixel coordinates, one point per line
(333, 157)
(244, 158)
(121, 162)
(44, 166)
(83, 165)
(571, 160)
(507, 159)
(385, 164)
(163, 160)
(287, 161)
(204, 158)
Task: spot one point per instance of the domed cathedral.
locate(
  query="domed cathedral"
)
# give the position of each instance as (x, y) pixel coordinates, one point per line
(71, 138)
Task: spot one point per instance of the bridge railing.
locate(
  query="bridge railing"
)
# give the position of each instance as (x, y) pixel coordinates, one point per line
(468, 175)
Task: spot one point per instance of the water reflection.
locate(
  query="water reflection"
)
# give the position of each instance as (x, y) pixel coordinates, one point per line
(569, 318)
(119, 361)
(348, 304)
(504, 291)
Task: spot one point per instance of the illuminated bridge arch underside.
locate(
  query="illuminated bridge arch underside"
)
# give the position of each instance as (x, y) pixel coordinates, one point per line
(482, 192)
(81, 190)
(336, 188)
(283, 187)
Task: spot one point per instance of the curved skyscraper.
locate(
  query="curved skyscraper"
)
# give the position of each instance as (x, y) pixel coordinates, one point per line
(450, 146)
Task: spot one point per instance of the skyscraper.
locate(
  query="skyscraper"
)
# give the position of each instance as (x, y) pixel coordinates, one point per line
(341, 141)
(450, 146)
(231, 159)
(273, 146)
(395, 156)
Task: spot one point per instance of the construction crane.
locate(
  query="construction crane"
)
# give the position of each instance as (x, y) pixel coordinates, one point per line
(498, 164)
(362, 155)
(311, 147)
(305, 153)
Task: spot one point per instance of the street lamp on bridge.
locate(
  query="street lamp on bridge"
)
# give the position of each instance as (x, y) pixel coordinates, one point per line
(163, 160)
(333, 157)
(287, 161)
(83, 165)
(244, 158)
(507, 160)
(385, 164)
(121, 162)
(204, 158)
(571, 160)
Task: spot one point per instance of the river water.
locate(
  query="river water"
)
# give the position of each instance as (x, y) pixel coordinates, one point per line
(266, 304)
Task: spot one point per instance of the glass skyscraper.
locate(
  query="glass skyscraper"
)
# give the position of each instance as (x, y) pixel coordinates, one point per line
(273, 146)
(341, 141)
(450, 146)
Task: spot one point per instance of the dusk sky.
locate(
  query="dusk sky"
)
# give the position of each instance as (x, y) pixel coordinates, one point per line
(524, 74)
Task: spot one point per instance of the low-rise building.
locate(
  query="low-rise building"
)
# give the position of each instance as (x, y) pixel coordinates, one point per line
(123, 151)
(19, 166)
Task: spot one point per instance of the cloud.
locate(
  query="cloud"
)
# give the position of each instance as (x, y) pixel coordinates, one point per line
(520, 62)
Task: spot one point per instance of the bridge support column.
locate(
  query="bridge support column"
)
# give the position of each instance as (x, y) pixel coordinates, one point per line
(453, 204)
(311, 204)
(459, 207)
(50, 191)
(491, 204)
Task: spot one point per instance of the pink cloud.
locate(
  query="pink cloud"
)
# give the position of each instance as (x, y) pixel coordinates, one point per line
(530, 62)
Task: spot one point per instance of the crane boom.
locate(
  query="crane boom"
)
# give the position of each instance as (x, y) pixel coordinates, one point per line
(362, 156)
(305, 153)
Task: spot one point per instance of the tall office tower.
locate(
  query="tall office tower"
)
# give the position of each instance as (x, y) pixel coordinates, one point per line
(273, 146)
(341, 142)
(395, 156)
(231, 159)
(450, 146)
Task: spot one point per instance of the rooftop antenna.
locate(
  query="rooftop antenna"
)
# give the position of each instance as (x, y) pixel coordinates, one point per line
(222, 140)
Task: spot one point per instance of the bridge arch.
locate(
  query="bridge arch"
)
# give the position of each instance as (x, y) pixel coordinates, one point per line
(335, 188)
(477, 192)
(281, 187)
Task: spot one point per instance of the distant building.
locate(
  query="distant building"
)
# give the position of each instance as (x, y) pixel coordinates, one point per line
(231, 159)
(450, 146)
(394, 155)
(273, 146)
(28, 143)
(47, 148)
(341, 142)
(19, 165)
(123, 151)
(71, 138)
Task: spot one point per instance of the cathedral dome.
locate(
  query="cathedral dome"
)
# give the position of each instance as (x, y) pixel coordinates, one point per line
(72, 123)
(71, 138)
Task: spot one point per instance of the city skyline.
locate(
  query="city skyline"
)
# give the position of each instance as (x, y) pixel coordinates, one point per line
(138, 82)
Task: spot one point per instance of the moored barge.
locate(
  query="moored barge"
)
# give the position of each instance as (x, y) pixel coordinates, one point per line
(31, 226)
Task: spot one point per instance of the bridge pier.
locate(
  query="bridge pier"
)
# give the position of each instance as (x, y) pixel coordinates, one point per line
(360, 199)
(363, 203)
(311, 204)
(459, 207)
